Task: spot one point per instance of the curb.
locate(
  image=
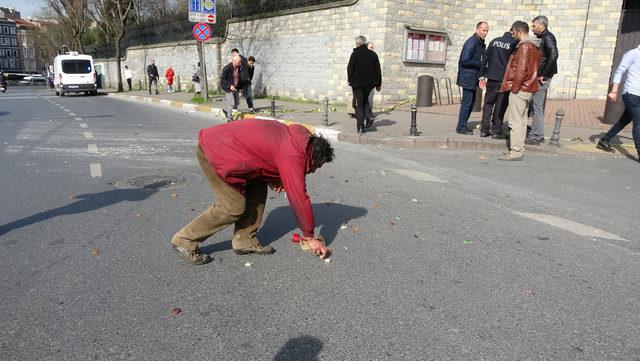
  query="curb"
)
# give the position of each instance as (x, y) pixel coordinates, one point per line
(367, 138)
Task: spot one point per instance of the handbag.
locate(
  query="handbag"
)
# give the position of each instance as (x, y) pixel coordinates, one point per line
(195, 78)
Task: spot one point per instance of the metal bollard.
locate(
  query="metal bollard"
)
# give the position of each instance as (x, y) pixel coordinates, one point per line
(555, 138)
(325, 115)
(414, 126)
(178, 85)
(273, 107)
(140, 84)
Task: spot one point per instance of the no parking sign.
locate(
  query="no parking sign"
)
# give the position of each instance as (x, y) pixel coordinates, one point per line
(202, 32)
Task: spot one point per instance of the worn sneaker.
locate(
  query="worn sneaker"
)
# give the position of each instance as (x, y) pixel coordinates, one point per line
(510, 157)
(194, 257)
(531, 141)
(257, 249)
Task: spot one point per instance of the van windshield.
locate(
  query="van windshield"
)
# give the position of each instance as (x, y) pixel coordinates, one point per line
(76, 66)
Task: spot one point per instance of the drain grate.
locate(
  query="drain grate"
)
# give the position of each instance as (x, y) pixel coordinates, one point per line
(156, 181)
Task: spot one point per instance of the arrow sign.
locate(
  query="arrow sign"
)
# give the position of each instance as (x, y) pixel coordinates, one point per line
(202, 32)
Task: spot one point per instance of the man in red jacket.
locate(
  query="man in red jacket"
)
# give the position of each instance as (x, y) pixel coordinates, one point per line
(521, 81)
(240, 159)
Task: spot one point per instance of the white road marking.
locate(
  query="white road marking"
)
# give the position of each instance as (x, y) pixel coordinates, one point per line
(77, 118)
(571, 226)
(82, 125)
(417, 175)
(92, 148)
(88, 135)
(96, 170)
(72, 114)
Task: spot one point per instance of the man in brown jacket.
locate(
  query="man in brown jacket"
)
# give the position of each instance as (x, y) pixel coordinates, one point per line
(521, 80)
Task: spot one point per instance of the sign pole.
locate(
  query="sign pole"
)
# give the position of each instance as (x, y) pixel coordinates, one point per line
(203, 70)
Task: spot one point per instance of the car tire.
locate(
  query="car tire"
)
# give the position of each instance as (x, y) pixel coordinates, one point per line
(61, 94)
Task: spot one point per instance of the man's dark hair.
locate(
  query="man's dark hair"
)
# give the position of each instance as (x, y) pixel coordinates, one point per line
(251, 58)
(321, 150)
(520, 26)
(480, 23)
(235, 50)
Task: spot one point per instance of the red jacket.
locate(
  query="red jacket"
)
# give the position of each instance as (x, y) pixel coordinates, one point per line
(169, 74)
(252, 150)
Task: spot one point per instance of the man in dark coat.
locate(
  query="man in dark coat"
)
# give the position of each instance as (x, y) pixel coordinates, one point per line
(548, 68)
(152, 73)
(469, 74)
(240, 159)
(494, 62)
(232, 81)
(364, 74)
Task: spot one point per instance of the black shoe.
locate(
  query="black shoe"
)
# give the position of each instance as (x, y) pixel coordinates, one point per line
(604, 145)
(465, 131)
(531, 141)
(369, 123)
(498, 136)
(360, 130)
(484, 134)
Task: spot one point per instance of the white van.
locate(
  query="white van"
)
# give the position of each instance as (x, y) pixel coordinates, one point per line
(74, 73)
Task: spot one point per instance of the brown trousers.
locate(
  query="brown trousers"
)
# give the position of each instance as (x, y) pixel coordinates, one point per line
(230, 207)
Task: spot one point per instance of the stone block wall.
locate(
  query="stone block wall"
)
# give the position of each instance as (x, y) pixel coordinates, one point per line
(304, 54)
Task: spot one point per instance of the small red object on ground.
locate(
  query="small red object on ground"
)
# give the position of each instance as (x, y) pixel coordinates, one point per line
(295, 238)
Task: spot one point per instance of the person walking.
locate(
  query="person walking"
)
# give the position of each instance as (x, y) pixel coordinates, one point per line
(248, 91)
(369, 111)
(195, 78)
(469, 74)
(169, 74)
(152, 73)
(548, 68)
(521, 81)
(363, 74)
(240, 160)
(232, 81)
(494, 62)
(629, 64)
(128, 75)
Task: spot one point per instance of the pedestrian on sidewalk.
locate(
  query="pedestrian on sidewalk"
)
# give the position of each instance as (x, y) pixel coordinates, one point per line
(630, 64)
(195, 78)
(369, 110)
(248, 91)
(469, 74)
(128, 75)
(152, 73)
(363, 74)
(548, 68)
(232, 81)
(521, 80)
(240, 160)
(169, 74)
(494, 62)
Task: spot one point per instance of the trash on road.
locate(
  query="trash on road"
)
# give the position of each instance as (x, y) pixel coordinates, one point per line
(175, 311)
(138, 215)
(174, 195)
(72, 196)
(484, 157)
(356, 230)
(414, 200)
(467, 241)
(95, 252)
(375, 205)
(327, 260)
(344, 226)
(543, 238)
(248, 264)
(530, 291)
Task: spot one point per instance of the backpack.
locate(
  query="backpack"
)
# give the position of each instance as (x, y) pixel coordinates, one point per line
(195, 78)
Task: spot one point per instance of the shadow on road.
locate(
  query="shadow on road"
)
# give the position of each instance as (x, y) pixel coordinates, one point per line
(87, 203)
(300, 348)
(280, 221)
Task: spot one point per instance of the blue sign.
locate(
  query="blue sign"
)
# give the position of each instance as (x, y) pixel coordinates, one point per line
(209, 6)
(194, 5)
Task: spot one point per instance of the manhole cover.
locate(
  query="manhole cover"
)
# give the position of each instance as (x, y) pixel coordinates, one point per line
(156, 181)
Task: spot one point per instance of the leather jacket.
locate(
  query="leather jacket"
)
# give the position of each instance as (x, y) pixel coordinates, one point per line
(549, 48)
(522, 70)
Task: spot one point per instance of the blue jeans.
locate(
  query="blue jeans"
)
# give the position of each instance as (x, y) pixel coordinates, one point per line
(631, 113)
(248, 95)
(466, 105)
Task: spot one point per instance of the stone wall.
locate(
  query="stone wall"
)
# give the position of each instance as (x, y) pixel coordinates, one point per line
(304, 54)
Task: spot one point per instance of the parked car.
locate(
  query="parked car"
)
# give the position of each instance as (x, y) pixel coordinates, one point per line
(34, 80)
(74, 73)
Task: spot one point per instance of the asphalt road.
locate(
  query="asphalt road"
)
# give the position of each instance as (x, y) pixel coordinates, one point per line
(437, 254)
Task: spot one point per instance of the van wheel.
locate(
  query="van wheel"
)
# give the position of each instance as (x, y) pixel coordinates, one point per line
(57, 93)
(61, 94)
(95, 92)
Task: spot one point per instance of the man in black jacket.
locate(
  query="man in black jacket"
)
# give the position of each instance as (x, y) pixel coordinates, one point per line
(232, 81)
(494, 62)
(152, 73)
(548, 68)
(363, 74)
(468, 78)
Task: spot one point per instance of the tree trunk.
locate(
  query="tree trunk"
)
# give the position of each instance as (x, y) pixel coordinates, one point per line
(118, 40)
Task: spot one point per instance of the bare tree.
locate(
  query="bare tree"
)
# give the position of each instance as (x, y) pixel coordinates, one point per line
(73, 16)
(114, 16)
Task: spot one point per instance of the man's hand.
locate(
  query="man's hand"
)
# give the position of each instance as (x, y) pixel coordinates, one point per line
(541, 79)
(378, 88)
(276, 186)
(482, 84)
(613, 96)
(317, 247)
(232, 88)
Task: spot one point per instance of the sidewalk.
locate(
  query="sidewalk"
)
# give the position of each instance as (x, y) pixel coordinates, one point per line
(581, 128)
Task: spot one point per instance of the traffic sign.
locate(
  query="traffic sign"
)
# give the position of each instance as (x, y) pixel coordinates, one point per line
(202, 32)
(203, 11)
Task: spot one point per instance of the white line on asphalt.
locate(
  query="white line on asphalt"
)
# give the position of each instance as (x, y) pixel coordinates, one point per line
(82, 125)
(77, 118)
(72, 114)
(417, 175)
(96, 170)
(88, 135)
(571, 226)
(92, 148)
